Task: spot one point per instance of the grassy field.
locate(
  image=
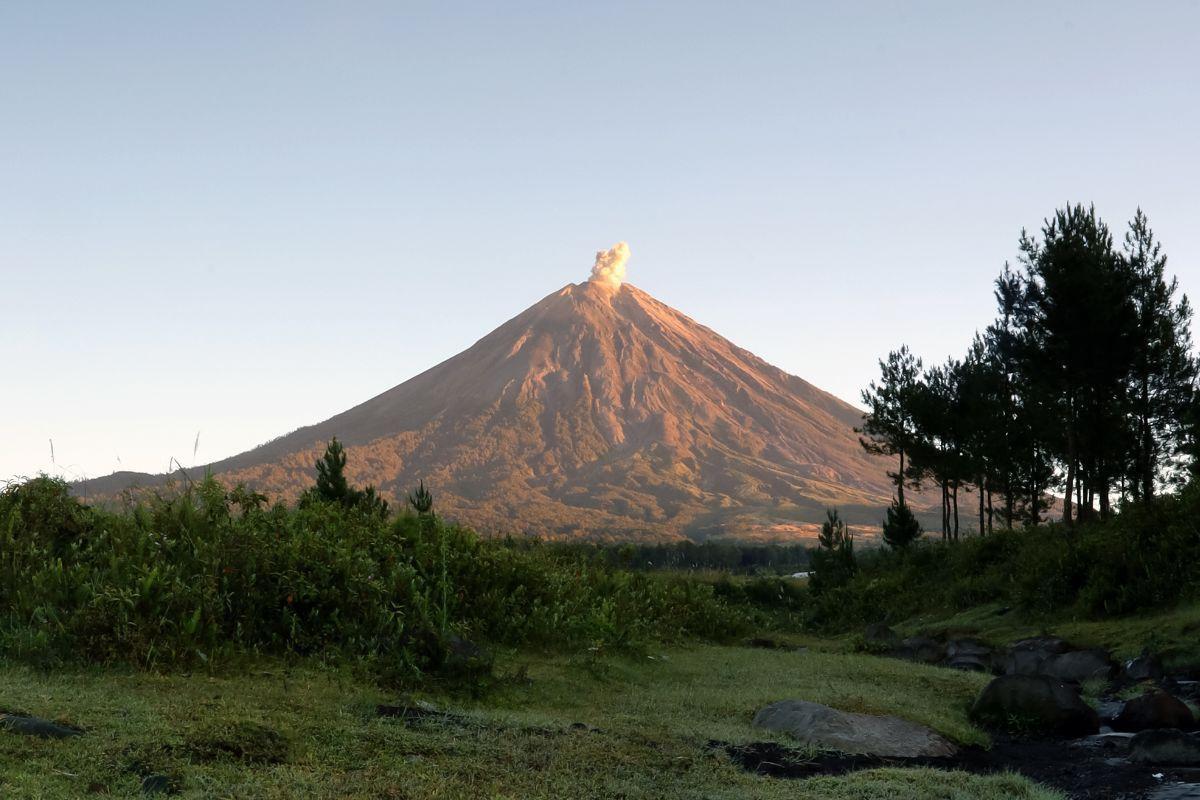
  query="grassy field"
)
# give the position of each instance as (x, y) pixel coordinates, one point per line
(273, 731)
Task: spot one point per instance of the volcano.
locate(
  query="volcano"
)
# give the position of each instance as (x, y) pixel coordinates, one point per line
(597, 413)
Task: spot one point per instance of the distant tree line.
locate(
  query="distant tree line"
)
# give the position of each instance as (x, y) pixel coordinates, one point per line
(686, 555)
(1084, 386)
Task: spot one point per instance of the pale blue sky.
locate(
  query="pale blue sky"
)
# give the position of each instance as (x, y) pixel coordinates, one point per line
(240, 218)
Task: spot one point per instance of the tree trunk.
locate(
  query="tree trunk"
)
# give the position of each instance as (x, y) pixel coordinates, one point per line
(955, 498)
(1147, 448)
(945, 510)
(980, 487)
(991, 511)
(1034, 505)
(900, 481)
(1067, 495)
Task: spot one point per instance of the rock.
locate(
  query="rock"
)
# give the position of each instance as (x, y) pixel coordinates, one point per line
(879, 636)
(956, 648)
(1145, 667)
(826, 728)
(1109, 709)
(1026, 656)
(970, 654)
(1107, 742)
(1183, 688)
(1154, 710)
(1034, 703)
(922, 649)
(1048, 645)
(1176, 791)
(1024, 662)
(1077, 666)
(1165, 746)
(35, 726)
(968, 663)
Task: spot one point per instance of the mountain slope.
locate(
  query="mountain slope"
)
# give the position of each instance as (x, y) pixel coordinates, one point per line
(597, 412)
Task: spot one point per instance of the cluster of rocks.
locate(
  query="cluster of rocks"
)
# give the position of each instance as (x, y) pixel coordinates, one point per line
(1037, 693)
(1042, 655)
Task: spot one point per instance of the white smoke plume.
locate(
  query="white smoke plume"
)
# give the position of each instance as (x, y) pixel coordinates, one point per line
(610, 265)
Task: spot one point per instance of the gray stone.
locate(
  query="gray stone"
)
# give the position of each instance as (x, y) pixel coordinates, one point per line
(1109, 709)
(1113, 742)
(1175, 791)
(1034, 703)
(1047, 645)
(1078, 666)
(35, 726)
(1024, 662)
(922, 649)
(956, 648)
(1145, 667)
(969, 663)
(1027, 656)
(1166, 747)
(826, 728)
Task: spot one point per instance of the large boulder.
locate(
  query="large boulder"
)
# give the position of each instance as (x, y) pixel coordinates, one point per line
(1049, 655)
(1154, 710)
(959, 648)
(1078, 666)
(922, 649)
(827, 728)
(968, 663)
(1027, 656)
(971, 655)
(1146, 667)
(1034, 703)
(1166, 747)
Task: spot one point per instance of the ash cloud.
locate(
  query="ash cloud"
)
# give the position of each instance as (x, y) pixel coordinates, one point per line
(609, 268)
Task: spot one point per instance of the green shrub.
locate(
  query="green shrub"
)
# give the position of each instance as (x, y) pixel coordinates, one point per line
(211, 573)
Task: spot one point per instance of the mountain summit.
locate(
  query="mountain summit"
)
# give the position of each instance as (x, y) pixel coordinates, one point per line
(598, 412)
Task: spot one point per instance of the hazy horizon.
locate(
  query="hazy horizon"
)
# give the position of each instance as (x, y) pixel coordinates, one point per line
(239, 222)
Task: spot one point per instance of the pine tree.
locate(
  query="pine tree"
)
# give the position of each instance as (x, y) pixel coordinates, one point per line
(900, 527)
(332, 485)
(1164, 372)
(1081, 330)
(889, 426)
(833, 563)
(421, 500)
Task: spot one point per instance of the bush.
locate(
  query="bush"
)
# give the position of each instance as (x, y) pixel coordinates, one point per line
(1146, 557)
(211, 573)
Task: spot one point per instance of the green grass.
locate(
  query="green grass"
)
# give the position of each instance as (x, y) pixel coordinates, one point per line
(1174, 634)
(270, 731)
